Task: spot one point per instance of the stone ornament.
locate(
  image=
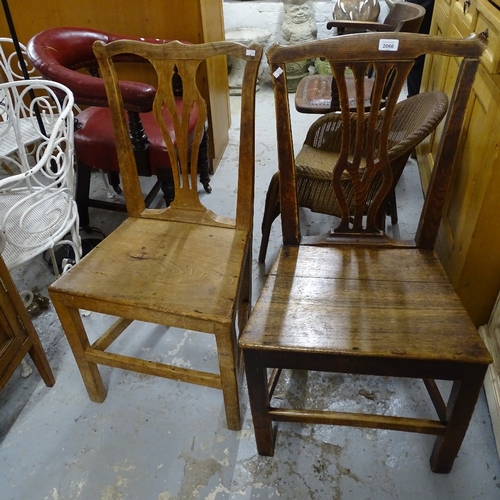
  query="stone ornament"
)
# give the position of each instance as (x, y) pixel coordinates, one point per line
(299, 26)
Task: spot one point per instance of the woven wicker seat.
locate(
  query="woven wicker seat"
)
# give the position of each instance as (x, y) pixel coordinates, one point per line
(415, 118)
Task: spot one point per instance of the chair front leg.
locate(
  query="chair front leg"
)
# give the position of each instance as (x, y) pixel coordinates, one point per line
(258, 392)
(72, 324)
(227, 346)
(461, 404)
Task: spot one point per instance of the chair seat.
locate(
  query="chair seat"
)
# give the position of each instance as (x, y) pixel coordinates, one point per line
(358, 304)
(193, 268)
(95, 140)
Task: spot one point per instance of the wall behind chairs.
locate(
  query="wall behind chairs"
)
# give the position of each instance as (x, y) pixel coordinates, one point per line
(269, 15)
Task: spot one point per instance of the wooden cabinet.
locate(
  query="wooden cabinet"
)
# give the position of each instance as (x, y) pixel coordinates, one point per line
(190, 20)
(17, 334)
(469, 238)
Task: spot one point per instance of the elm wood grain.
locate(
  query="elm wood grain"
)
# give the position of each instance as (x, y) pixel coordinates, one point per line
(355, 301)
(182, 266)
(18, 336)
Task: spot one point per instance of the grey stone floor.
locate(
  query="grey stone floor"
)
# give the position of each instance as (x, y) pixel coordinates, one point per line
(159, 439)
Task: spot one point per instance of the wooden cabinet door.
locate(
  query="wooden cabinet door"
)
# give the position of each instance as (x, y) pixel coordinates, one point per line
(434, 77)
(12, 337)
(470, 235)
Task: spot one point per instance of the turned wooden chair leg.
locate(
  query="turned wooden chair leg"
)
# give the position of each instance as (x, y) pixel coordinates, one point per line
(204, 164)
(114, 181)
(82, 194)
(72, 324)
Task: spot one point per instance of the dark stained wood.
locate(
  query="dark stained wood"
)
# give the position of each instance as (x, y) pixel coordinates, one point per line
(182, 266)
(358, 302)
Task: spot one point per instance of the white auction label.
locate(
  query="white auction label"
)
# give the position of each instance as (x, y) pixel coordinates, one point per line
(388, 45)
(278, 73)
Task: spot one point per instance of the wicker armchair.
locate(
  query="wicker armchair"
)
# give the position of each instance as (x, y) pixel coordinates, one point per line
(415, 118)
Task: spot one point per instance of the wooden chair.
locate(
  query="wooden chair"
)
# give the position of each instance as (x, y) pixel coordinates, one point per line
(319, 93)
(414, 119)
(183, 266)
(65, 55)
(355, 301)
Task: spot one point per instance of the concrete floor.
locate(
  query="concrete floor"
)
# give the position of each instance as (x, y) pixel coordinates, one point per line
(159, 439)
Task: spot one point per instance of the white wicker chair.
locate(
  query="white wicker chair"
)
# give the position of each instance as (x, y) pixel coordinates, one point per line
(37, 207)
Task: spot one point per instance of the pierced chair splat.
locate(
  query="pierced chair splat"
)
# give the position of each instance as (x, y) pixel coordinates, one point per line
(65, 55)
(355, 301)
(183, 266)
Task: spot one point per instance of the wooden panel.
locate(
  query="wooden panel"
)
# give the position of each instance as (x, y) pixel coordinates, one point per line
(489, 19)
(435, 70)
(220, 116)
(190, 20)
(10, 343)
(470, 233)
(151, 18)
(464, 16)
